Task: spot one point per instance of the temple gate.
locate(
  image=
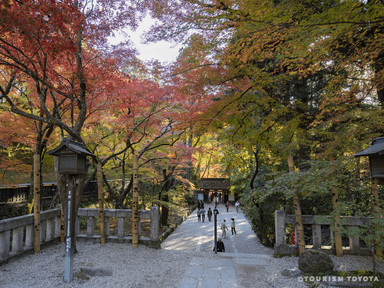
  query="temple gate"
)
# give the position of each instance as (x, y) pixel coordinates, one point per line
(212, 187)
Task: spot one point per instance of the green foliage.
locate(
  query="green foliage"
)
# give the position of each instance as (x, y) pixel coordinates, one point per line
(276, 190)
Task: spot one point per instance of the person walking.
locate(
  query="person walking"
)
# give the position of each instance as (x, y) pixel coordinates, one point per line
(209, 214)
(198, 215)
(220, 246)
(233, 229)
(202, 212)
(227, 205)
(224, 229)
(237, 204)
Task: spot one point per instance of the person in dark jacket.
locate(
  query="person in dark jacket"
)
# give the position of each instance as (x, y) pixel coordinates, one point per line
(209, 214)
(220, 246)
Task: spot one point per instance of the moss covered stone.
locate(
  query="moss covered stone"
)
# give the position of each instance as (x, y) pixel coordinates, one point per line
(314, 261)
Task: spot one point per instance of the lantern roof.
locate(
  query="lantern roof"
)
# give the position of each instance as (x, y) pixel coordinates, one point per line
(376, 148)
(67, 146)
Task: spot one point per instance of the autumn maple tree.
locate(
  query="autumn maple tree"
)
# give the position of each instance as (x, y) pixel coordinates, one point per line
(57, 53)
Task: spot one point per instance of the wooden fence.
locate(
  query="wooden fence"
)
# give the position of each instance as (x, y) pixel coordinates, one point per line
(21, 192)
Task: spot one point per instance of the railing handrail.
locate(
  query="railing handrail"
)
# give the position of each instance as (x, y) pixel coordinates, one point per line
(315, 219)
(19, 221)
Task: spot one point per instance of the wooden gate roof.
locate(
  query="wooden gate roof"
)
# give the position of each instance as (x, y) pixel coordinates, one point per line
(215, 183)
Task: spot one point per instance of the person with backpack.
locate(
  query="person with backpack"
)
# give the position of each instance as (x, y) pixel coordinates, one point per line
(220, 246)
(198, 215)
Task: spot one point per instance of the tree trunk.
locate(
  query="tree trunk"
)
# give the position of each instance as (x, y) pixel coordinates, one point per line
(167, 184)
(379, 66)
(297, 206)
(135, 204)
(101, 202)
(376, 211)
(335, 200)
(164, 211)
(36, 199)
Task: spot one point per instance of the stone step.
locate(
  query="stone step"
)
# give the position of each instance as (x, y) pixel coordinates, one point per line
(245, 255)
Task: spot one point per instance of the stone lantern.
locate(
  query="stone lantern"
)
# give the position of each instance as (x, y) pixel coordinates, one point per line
(375, 152)
(72, 157)
(72, 161)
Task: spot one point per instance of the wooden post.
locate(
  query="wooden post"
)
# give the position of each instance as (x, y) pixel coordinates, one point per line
(299, 220)
(335, 202)
(135, 204)
(36, 203)
(376, 211)
(101, 202)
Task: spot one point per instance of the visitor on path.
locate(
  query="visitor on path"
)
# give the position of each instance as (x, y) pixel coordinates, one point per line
(220, 246)
(224, 229)
(202, 204)
(227, 205)
(233, 229)
(202, 212)
(209, 214)
(237, 204)
(216, 201)
(198, 215)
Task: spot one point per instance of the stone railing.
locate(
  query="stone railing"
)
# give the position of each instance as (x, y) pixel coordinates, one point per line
(16, 234)
(121, 215)
(281, 246)
(19, 230)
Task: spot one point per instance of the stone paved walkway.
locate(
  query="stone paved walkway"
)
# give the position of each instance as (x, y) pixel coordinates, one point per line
(219, 270)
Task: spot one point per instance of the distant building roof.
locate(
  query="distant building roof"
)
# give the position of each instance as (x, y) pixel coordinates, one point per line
(215, 183)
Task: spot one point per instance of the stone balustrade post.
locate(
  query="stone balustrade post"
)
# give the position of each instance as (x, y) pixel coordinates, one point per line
(120, 228)
(354, 243)
(316, 236)
(5, 238)
(280, 227)
(50, 229)
(29, 235)
(17, 239)
(57, 226)
(154, 228)
(90, 226)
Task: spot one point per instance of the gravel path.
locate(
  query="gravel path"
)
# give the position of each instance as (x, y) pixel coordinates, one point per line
(141, 267)
(185, 260)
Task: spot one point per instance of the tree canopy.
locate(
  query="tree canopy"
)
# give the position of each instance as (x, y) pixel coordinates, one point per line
(255, 82)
